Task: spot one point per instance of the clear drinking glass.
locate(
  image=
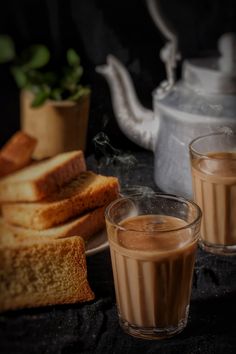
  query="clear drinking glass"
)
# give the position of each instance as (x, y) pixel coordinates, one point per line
(213, 160)
(153, 241)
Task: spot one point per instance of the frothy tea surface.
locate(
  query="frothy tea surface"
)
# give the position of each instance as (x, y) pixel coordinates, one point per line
(222, 164)
(153, 232)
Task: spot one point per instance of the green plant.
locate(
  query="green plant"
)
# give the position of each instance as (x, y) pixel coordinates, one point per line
(31, 72)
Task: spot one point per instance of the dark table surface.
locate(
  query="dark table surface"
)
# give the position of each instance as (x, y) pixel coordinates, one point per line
(94, 328)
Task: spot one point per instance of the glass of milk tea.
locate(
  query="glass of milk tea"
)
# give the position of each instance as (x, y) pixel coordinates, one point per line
(213, 161)
(153, 241)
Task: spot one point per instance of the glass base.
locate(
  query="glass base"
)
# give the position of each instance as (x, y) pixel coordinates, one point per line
(224, 250)
(152, 332)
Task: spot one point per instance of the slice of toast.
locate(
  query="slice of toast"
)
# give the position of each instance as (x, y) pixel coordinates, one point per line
(88, 191)
(86, 226)
(39, 180)
(6, 166)
(7, 237)
(16, 153)
(42, 271)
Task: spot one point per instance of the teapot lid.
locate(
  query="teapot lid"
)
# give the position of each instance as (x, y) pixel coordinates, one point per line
(210, 75)
(208, 85)
(186, 101)
(214, 75)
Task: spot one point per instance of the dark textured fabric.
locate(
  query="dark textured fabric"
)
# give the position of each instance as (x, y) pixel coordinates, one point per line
(93, 328)
(96, 28)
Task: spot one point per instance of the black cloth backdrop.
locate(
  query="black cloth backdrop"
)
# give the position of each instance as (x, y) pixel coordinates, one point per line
(96, 28)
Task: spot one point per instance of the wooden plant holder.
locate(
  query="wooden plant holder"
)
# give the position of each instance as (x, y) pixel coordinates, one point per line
(58, 126)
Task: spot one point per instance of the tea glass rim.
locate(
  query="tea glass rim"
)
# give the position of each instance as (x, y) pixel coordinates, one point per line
(198, 138)
(137, 190)
(196, 220)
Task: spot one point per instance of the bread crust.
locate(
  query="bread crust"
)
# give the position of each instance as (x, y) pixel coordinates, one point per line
(26, 185)
(43, 273)
(87, 192)
(16, 153)
(85, 225)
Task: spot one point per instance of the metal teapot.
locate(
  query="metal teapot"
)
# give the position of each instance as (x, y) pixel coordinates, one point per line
(203, 101)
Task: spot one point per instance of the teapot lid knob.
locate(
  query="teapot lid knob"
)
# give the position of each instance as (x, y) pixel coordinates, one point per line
(227, 49)
(214, 75)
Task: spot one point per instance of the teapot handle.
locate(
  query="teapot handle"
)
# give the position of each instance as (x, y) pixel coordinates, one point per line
(169, 53)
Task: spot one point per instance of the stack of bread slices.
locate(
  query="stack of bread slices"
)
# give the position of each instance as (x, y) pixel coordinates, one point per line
(49, 209)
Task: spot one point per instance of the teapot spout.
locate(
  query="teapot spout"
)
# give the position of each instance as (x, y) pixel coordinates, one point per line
(136, 122)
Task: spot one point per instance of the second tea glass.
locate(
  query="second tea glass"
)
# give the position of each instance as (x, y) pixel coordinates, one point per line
(213, 160)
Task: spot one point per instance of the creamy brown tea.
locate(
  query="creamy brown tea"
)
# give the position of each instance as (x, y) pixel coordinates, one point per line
(214, 186)
(152, 270)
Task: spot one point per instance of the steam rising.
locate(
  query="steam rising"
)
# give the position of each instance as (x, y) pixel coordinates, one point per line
(118, 162)
(226, 130)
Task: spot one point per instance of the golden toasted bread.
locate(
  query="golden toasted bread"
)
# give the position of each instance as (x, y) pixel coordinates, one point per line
(39, 180)
(16, 153)
(88, 191)
(40, 271)
(85, 225)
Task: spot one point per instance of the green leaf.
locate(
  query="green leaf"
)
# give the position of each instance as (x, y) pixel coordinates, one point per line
(7, 49)
(36, 57)
(35, 77)
(56, 94)
(19, 76)
(39, 98)
(82, 91)
(78, 72)
(60, 84)
(71, 78)
(49, 77)
(73, 58)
